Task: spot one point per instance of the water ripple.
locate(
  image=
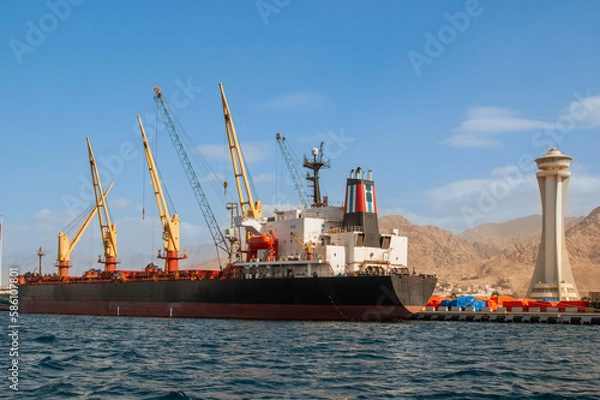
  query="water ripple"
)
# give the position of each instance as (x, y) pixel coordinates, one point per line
(91, 358)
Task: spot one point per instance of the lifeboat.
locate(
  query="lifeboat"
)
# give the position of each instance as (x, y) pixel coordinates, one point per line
(260, 242)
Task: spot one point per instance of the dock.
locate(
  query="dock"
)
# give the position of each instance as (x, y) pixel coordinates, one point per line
(547, 317)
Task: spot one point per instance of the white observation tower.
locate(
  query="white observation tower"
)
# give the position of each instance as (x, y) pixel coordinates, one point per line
(552, 277)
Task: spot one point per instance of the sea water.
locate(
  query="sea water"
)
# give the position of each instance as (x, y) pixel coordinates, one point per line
(84, 357)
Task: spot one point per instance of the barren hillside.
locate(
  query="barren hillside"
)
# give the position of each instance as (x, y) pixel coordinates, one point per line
(489, 239)
(514, 264)
(500, 255)
(430, 248)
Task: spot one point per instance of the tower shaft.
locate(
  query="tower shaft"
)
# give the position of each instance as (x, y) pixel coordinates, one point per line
(552, 277)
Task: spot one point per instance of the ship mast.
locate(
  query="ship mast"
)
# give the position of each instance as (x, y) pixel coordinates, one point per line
(315, 165)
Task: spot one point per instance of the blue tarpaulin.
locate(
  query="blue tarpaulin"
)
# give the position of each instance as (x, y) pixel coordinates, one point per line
(464, 301)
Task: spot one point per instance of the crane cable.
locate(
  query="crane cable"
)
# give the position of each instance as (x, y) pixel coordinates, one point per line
(210, 176)
(299, 165)
(78, 221)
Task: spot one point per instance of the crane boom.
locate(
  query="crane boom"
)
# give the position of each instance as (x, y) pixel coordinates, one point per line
(107, 229)
(309, 247)
(66, 247)
(294, 173)
(249, 208)
(170, 224)
(209, 217)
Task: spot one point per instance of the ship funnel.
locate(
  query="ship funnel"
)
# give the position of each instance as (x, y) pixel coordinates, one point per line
(360, 207)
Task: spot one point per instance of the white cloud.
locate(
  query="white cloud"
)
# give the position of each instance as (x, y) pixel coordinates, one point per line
(416, 218)
(583, 194)
(506, 193)
(264, 178)
(118, 203)
(457, 190)
(483, 124)
(212, 177)
(586, 111)
(42, 214)
(497, 120)
(298, 100)
(284, 205)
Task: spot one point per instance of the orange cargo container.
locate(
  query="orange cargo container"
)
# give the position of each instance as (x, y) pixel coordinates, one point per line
(491, 304)
(528, 300)
(542, 305)
(435, 301)
(501, 299)
(515, 303)
(579, 304)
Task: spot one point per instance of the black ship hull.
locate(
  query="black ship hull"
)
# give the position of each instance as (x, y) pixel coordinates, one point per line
(366, 298)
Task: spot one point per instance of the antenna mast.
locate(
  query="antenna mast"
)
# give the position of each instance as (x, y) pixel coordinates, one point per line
(315, 165)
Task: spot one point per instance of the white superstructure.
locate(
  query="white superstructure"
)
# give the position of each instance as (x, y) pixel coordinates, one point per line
(327, 241)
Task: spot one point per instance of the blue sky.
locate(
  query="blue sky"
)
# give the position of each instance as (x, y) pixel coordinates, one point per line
(447, 102)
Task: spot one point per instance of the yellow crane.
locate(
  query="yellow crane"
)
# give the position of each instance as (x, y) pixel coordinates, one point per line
(107, 229)
(309, 247)
(170, 223)
(66, 247)
(249, 208)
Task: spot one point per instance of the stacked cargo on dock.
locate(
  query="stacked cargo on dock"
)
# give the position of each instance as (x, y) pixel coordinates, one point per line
(573, 305)
(435, 301)
(505, 303)
(543, 306)
(462, 303)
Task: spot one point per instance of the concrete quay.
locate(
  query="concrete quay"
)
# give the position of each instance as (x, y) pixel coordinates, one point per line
(573, 318)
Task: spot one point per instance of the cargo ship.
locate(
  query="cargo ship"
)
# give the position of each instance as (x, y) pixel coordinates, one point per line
(318, 262)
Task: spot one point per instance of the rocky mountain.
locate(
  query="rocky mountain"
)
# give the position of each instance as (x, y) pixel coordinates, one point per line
(501, 235)
(583, 239)
(511, 266)
(489, 239)
(431, 248)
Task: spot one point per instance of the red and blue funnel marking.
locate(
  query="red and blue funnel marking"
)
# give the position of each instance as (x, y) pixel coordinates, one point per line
(360, 198)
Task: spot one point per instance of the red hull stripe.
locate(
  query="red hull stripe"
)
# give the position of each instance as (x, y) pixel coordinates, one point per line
(220, 310)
